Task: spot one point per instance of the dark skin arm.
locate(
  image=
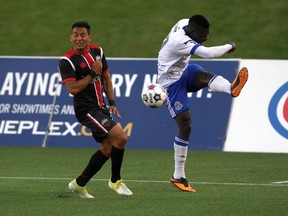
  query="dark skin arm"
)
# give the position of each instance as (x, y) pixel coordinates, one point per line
(76, 86)
(108, 88)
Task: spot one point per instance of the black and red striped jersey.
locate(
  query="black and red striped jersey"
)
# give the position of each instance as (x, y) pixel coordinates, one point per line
(75, 66)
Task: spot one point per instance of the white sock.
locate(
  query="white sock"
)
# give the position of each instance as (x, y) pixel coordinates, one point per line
(180, 155)
(219, 84)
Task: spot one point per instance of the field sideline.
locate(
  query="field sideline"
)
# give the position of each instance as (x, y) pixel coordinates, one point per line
(272, 184)
(33, 181)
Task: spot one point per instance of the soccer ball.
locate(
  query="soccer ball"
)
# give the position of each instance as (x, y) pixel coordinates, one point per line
(154, 96)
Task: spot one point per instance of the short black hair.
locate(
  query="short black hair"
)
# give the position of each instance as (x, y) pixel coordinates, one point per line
(81, 24)
(199, 21)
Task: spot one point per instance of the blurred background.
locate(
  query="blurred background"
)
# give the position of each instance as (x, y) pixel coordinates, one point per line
(136, 28)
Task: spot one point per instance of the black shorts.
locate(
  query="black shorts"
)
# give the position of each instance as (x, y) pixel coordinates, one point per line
(99, 121)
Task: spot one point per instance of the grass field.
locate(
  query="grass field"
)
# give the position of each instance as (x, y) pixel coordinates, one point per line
(136, 28)
(33, 181)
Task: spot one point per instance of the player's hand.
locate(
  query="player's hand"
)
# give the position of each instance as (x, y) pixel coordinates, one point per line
(97, 67)
(233, 46)
(113, 109)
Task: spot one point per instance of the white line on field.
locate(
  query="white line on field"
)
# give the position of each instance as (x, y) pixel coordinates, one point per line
(154, 181)
(280, 182)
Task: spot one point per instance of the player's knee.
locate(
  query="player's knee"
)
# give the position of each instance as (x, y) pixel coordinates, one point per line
(120, 141)
(202, 78)
(123, 139)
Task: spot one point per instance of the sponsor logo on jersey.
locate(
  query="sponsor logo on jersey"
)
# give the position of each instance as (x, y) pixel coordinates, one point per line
(105, 123)
(83, 65)
(278, 110)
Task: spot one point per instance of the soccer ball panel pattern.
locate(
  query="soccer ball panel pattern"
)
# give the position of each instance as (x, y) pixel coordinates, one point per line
(154, 96)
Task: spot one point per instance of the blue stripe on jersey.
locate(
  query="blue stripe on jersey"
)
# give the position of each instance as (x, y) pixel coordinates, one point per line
(181, 142)
(211, 80)
(194, 48)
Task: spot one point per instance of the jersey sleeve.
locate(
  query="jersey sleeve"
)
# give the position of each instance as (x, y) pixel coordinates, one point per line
(213, 52)
(186, 46)
(66, 70)
(105, 68)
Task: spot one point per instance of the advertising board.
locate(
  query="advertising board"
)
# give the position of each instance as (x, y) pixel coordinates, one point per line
(36, 109)
(259, 118)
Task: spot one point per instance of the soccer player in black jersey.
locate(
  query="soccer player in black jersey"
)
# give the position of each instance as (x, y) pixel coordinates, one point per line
(85, 74)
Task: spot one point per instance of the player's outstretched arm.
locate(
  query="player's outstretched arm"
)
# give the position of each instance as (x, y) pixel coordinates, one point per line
(108, 88)
(215, 51)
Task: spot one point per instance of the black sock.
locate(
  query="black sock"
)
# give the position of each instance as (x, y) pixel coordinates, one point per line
(116, 160)
(96, 162)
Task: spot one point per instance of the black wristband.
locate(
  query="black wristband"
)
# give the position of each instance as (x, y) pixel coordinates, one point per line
(112, 103)
(92, 74)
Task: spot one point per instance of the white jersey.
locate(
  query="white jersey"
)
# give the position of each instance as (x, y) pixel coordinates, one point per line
(176, 50)
(175, 53)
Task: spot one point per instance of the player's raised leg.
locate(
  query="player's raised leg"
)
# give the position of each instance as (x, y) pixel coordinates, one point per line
(239, 82)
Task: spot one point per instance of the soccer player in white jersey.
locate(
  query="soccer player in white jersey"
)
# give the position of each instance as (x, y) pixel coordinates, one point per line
(179, 77)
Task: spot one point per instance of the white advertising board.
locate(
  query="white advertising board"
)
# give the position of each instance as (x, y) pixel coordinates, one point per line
(259, 117)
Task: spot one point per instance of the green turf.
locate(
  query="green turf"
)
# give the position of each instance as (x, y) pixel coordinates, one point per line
(136, 28)
(33, 181)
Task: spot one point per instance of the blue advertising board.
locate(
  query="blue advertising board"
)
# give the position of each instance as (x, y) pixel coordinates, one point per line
(37, 110)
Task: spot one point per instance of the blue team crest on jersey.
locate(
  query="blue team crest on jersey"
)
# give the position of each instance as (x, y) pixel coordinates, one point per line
(278, 110)
(178, 105)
